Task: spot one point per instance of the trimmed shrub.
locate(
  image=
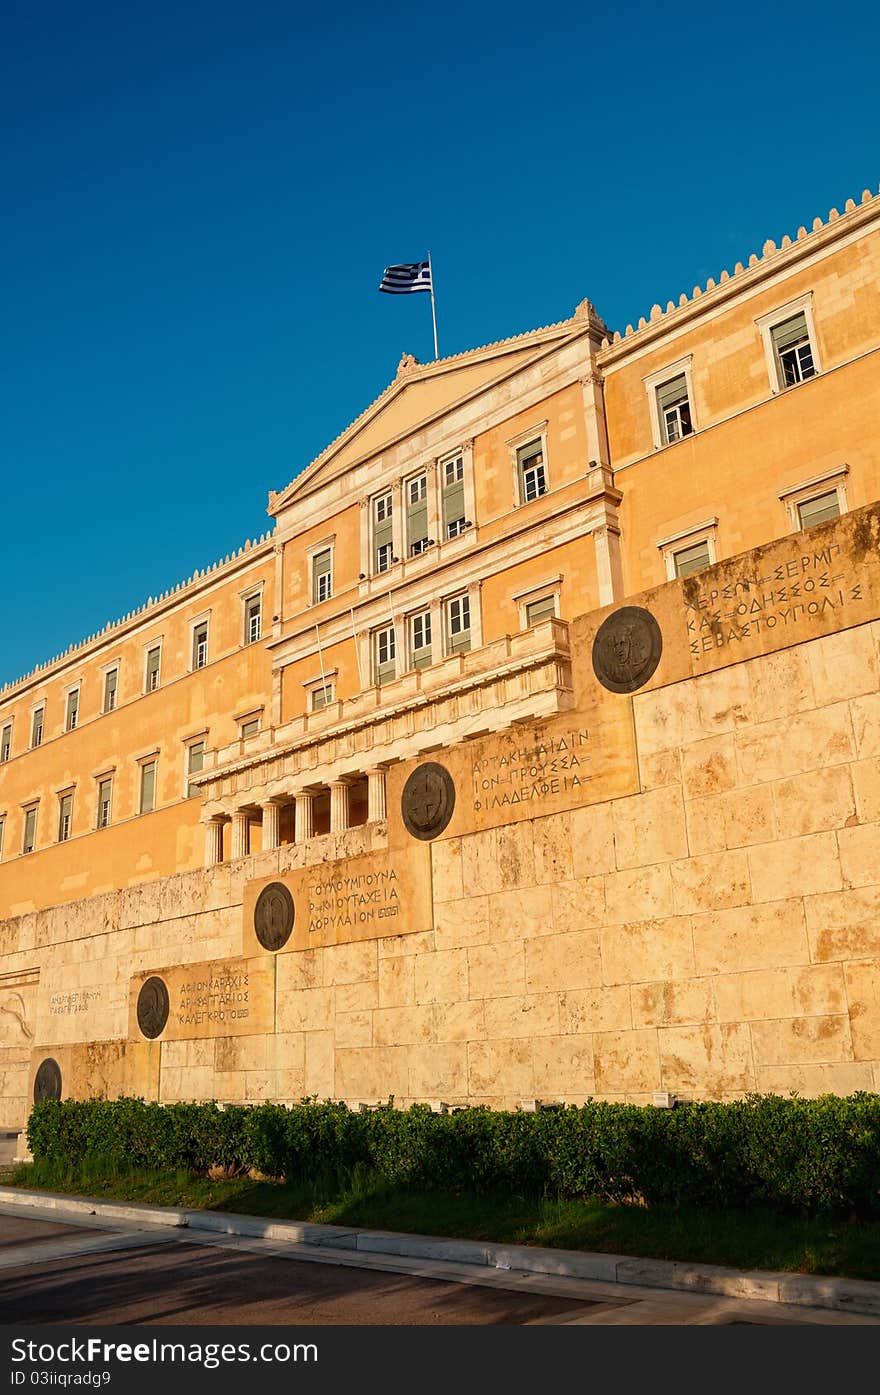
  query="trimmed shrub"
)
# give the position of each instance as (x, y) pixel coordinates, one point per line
(799, 1156)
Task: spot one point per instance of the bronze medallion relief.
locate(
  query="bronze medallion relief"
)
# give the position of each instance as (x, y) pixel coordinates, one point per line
(152, 1007)
(274, 915)
(627, 649)
(428, 801)
(47, 1081)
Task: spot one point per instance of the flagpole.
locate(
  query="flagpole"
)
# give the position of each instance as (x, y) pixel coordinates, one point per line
(433, 306)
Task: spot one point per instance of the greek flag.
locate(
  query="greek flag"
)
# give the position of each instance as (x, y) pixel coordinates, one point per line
(410, 276)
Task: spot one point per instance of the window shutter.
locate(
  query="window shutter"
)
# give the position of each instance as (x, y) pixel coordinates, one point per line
(148, 787)
(793, 331)
(691, 559)
(453, 503)
(417, 522)
(673, 391)
(820, 509)
(540, 610)
(152, 664)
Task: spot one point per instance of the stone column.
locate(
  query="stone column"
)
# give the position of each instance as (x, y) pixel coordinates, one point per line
(213, 842)
(339, 815)
(239, 833)
(305, 816)
(376, 794)
(609, 573)
(271, 814)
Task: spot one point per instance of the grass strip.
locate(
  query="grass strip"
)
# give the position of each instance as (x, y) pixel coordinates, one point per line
(741, 1239)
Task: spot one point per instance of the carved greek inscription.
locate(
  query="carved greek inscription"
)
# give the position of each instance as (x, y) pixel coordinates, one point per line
(343, 902)
(215, 1000)
(790, 596)
(532, 774)
(69, 1004)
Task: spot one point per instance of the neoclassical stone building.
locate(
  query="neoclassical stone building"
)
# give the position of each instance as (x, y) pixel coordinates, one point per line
(429, 595)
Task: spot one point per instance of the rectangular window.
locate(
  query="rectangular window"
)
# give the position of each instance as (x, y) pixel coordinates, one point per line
(674, 410)
(820, 509)
(532, 476)
(30, 830)
(111, 685)
(65, 817)
(539, 610)
(420, 639)
(385, 653)
(322, 576)
(105, 801)
(459, 613)
(253, 620)
(200, 645)
(453, 496)
(72, 711)
(37, 727)
(195, 762)
(2, 826)
(383, 532)
(6, 742)
(322, 697)
(691, 559)
(250, 728)
(154, 661)
(417, 515)
(148, 787)
(794, 353)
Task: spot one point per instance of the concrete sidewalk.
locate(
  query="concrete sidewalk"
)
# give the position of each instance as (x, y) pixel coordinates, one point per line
(841, 1295)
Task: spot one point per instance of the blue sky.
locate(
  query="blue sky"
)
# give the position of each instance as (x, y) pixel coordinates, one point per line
(199, 201)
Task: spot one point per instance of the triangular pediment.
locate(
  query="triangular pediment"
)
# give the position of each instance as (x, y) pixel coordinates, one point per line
(418, 394)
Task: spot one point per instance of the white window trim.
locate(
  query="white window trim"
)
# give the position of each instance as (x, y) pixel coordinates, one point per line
(99, 780)
(411, 651)
(72, 688)
(155, 644)
(32, 804)
(536, 432)
(196, 739)
(10, 723)
(655, 380)
(448, 602)
(552, 586)
(250, 593)
(766, 325)
(706, 532)
(374, 652)
(802, 493)
(204, 619)
(69, 790)
(105, 670)
(37, 707)
(329, 683)
(325, 545)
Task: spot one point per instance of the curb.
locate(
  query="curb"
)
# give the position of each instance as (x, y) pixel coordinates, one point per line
(804, 1290)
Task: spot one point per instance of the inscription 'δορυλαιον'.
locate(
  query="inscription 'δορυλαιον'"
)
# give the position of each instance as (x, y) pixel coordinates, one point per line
(346, 902)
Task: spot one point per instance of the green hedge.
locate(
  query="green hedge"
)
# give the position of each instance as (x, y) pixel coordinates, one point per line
(802, 1156)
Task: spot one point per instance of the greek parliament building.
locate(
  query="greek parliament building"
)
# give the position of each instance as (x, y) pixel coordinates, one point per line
(533, 754)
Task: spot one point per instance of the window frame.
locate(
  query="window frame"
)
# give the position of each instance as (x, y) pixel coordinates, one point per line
(420, 656)
(32, 807)
(830, 481)
(328, 689)
(191, 744)
(145, 763)
(313, 554)
(148, 650)
(4, 745)
(65, 831)
(248, 600)
(203, 621)
(653, 382)
(463, 600)
(675, 543)
(376, 637)
(110, 671)
(39, 708)
(2, 833)
(536, 434)
(100, 780)
(71, 693)
(551, 586)
(766, 324)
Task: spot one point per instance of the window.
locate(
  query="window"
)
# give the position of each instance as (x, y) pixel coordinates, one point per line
(321, 696)
(794, 353)
(420, 639)
(691, 559)
(674, 409)
(30, 829)
(65, 817)
(6, 742)
(253, 619)
(200, 644)
(154, 662)
(322, 576)
(417, 515)
(148, 787)
(111, 685)
(384, 654)
(37, 726)
(383, 532)
(72, 711)
(105, 801)
(532, 476)
(250, 728)
(195, 762)
(459, 617)
(541, 609)
(2, 826)
(453, 496)
(819, 509)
